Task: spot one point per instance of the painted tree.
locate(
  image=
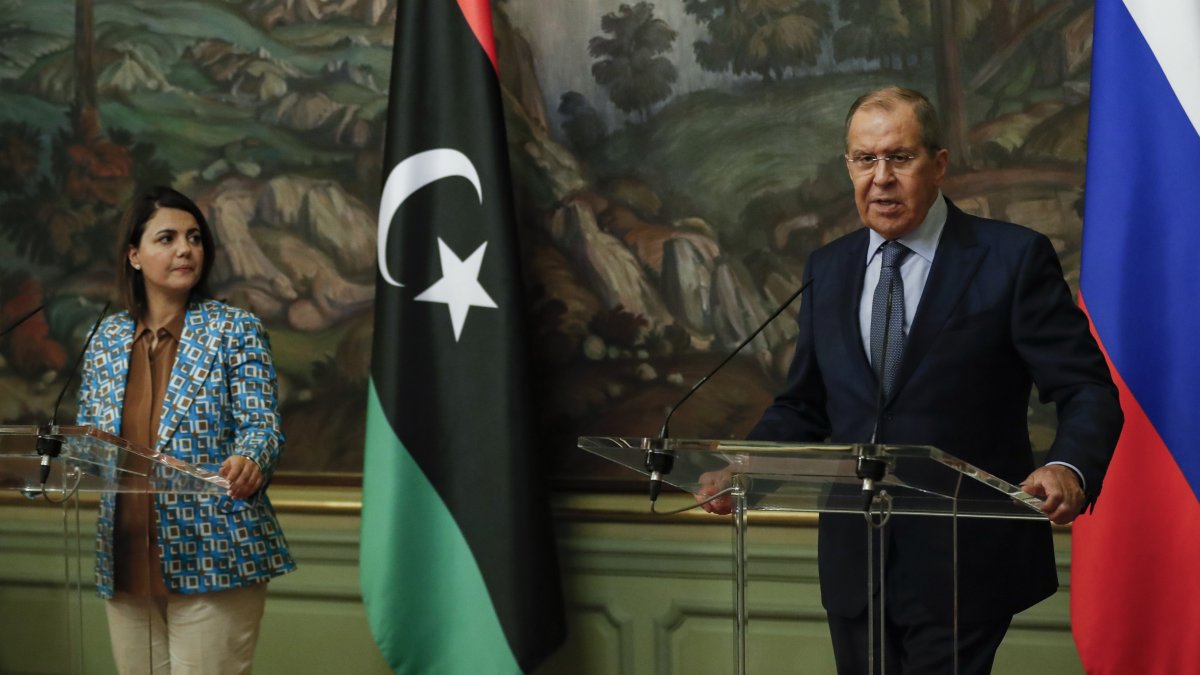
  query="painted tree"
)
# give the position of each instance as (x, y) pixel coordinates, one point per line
(895, 33)
(582, 124)
(762, 37)
(87, 111)
(948, 63)
(892, 32)
(65, 213)
(630, 64)
(887, 31)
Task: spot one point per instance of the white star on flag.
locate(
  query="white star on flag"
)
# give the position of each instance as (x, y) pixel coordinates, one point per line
(459, 287)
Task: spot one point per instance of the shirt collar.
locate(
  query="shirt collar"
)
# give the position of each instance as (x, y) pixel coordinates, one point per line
(924, 240)
(174, 327)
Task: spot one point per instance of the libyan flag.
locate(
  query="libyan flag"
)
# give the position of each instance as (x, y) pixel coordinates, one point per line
(458, 570)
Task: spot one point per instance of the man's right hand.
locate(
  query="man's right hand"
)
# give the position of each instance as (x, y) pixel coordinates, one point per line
(711, 483)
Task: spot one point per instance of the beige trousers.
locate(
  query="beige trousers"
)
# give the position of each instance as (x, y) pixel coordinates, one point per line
(201, 634)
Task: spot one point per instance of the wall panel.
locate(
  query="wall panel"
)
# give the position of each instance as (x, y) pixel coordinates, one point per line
(645, 597)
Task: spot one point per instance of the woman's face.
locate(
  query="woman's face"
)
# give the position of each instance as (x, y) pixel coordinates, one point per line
(170, 255)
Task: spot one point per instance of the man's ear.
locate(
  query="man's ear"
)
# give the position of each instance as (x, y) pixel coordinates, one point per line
(941, 159)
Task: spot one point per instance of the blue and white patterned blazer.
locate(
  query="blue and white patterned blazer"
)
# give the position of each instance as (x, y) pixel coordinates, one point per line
(221, 400)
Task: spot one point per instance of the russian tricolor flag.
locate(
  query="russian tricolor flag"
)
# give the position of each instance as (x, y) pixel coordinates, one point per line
(1135, 591)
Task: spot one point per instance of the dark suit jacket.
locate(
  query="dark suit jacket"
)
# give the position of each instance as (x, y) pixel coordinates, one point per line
(994, 318)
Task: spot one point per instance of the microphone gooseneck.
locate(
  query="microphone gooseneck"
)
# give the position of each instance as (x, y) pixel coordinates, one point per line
(49, 445)
(660, 461)
(22, 320)
(78, 360)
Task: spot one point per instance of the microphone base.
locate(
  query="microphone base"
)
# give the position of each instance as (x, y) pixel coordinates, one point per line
(48, 447)
(655, 486)
(658, 464)
(868, 497)
(870, 470)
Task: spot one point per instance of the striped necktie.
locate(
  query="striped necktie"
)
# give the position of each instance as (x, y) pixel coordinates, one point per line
(887, 317)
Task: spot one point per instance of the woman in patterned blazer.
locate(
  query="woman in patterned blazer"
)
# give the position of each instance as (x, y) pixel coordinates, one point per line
(185, 575)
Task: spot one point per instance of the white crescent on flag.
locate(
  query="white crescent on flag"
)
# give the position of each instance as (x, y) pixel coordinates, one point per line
(412, 174)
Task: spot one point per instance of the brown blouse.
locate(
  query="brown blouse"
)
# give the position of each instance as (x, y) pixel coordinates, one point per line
(136, 558)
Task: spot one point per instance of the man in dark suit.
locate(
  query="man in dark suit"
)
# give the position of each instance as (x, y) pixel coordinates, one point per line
(974, 312)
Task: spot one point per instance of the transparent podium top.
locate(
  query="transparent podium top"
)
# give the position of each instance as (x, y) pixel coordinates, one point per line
(95, 461)
(822, 477)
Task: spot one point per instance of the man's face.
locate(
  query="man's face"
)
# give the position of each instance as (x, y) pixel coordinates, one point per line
(892, 201)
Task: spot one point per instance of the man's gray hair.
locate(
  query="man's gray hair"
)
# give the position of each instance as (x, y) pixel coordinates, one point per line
(888, 98)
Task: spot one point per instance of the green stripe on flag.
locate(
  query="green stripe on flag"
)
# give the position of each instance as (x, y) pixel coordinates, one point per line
(425, 597)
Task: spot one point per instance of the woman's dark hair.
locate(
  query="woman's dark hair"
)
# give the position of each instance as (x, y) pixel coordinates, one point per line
(141, 209)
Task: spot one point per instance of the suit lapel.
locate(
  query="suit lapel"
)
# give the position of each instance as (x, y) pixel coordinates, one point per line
(198, 346)
(113, 362)
(957, 259)
(846, 294)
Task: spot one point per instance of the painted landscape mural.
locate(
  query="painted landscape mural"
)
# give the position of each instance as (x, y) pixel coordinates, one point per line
(674, 163)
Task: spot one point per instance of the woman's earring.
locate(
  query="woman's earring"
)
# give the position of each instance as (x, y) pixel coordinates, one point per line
(137, 267)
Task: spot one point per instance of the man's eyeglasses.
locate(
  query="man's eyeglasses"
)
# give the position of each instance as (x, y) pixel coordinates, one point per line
(900, 162)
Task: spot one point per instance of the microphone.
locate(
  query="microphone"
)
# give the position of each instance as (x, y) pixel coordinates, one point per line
(659, 461)
(49, 445)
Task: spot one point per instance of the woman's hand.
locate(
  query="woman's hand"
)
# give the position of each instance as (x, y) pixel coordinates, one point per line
(244, 475)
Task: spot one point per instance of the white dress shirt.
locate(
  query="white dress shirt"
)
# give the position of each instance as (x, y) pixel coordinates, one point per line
(914, 269)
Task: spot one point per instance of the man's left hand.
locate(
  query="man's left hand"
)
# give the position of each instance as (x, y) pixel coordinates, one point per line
(245, 477)
(1059, 489)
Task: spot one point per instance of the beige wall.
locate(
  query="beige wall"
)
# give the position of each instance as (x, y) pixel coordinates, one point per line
(644, 596)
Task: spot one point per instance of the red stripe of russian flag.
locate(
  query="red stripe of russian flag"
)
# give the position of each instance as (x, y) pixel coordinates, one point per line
(1127, 577)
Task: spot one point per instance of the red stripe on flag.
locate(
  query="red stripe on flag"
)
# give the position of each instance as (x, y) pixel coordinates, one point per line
(478, 14)
(1134, 574)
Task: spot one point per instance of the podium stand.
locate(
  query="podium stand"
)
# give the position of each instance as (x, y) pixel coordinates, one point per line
(820, 478)
(87, 463)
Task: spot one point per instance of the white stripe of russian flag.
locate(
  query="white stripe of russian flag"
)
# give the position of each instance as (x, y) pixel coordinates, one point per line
(1172, 29)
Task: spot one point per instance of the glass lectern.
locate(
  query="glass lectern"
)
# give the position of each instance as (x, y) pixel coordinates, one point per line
(70, 466)
(820, 478)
